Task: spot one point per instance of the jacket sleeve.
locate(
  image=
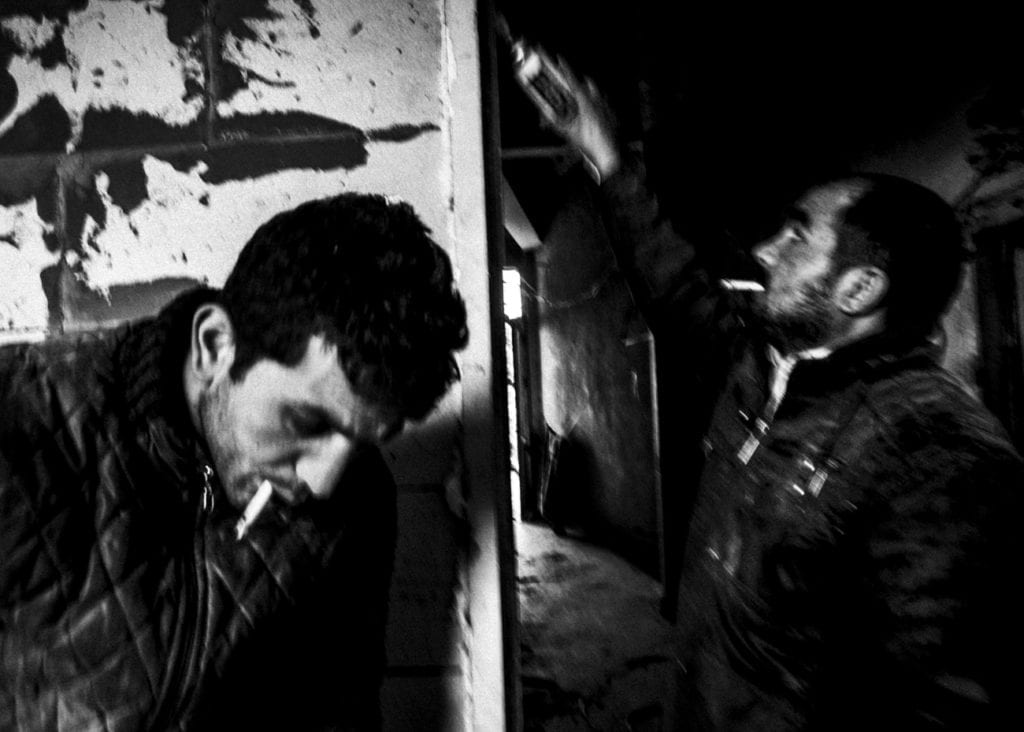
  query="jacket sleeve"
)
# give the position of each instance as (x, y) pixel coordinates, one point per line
(696, 324)
(945, 577)
(39, 484)
(671, 282)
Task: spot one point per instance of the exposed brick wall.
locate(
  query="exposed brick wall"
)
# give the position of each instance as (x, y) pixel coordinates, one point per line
(143, 141)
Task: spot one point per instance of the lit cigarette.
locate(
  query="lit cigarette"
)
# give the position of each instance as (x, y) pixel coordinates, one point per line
(742, 285)
(253, 508)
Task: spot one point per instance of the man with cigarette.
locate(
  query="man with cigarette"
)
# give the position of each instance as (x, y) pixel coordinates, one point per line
(196, 526)
(851, 557)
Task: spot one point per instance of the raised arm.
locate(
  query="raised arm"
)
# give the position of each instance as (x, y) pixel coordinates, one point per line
(667, 276)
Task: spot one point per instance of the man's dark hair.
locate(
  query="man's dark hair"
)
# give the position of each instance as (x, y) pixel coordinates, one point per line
(911, 234)
(365, 274)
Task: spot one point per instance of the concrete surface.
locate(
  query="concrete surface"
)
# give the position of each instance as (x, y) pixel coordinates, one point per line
(595, 650)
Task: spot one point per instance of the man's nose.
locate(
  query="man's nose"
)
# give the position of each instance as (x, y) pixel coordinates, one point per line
(766, 253)
(320, 468)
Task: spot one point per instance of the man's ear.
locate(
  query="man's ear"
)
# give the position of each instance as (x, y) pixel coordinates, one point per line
(860, 290)
(211, 345)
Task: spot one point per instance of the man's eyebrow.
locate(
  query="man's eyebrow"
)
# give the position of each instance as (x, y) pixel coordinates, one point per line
(312, 412)
(797, 215)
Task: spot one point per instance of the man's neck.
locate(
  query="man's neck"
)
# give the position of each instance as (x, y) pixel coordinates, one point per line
(853, 330)
(783, 362)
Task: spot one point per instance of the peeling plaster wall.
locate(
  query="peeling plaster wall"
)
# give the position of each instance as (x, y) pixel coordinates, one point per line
(143, 141)
(23, 255)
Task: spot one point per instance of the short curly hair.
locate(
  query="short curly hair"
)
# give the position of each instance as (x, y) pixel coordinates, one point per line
(363, 272)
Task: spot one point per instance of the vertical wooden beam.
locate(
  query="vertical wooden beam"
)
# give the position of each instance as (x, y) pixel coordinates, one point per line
(476, 199)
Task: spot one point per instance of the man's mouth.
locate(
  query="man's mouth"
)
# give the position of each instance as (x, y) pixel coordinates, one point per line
(292, 493)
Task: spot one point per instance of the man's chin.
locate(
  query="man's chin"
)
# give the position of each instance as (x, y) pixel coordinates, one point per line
(240, 490)
(777, 338)
(791, 335)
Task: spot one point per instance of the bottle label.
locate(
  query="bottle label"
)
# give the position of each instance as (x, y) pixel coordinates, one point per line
(548, 89)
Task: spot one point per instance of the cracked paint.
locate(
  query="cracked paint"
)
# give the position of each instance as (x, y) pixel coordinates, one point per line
(185, 226)
(116, 55)
(318, 112)
(361, 68)
(24, 256)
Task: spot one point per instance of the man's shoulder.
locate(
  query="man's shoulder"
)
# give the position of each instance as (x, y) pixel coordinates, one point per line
(42, 383)
(929, 413)
(78, 357)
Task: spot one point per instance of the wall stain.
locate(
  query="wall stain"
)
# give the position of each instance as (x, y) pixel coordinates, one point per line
(119, 128)
(83, 201)
(53, 54)
(231, 79)
(257, 158)
(8, 90)
(184, 20)
(25, 178)
(46, 127)
(249, 147)
(49, 278)
(277, 83)
(47, 207)
(193, 90)
(307, 8)
(245, 147)
(283, 124)
(400, 132)
(127, 186)
(233, 17)
(38, 11)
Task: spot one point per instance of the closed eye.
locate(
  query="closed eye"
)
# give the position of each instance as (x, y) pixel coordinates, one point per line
(794, 233)
(306, 423)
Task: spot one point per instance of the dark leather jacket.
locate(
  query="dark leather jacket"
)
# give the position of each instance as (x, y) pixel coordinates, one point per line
(851, 560)
(126, 602)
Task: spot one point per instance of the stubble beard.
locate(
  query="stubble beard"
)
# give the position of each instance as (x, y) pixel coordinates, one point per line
(808, 322)
(214, 422)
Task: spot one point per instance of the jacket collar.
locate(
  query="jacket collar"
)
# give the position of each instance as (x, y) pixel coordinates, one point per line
(871, 358)
(150, 357)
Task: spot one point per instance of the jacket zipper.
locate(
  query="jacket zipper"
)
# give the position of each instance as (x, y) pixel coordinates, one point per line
(753, 441)
(178, 699)
(207, 499)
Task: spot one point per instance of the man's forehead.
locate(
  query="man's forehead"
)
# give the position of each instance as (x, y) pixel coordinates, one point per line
(822, 204)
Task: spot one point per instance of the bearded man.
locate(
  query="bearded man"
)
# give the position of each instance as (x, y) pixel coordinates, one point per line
(850, 555)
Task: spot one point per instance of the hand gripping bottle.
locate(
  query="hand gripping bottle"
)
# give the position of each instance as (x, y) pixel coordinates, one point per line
(542, 80)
